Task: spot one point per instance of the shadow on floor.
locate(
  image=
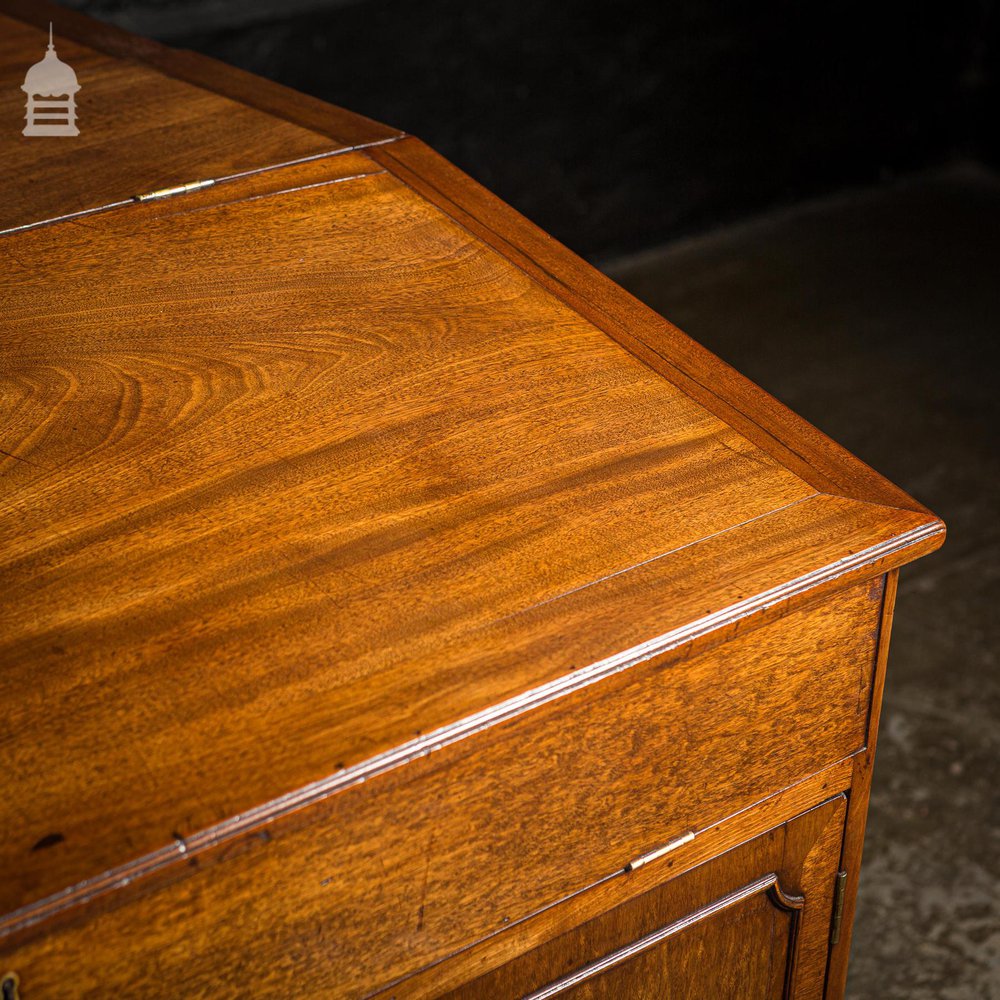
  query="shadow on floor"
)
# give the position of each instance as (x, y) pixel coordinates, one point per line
(876, 315)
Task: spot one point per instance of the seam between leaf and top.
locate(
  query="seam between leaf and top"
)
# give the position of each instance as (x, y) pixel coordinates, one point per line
(132, 197)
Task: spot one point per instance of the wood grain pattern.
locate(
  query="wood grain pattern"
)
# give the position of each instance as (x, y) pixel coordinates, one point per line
(741, 944)
(725, 392)
(857, 813)
(410, 867)
(518, 938)
(379, 579)
(130, 411)
(734, 931)
(140, 130)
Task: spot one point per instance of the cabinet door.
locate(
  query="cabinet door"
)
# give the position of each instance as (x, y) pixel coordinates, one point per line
(751, 923)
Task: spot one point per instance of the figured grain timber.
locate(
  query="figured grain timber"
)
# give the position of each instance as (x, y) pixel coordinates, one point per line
(263, 500)
(730, 395)
(403, 860)
(720, 930)
(864, 763)
(523, 937)
(379, 580)
(683, 939)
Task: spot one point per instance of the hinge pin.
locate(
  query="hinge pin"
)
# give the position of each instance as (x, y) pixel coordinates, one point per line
(170, 191)
(671, 845)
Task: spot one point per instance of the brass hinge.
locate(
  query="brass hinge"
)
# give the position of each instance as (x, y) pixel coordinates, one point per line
(169, 192)
(839, 891)
(660, 851)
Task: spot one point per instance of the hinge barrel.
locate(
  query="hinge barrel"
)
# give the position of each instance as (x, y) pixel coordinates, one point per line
(660, 851)
(170, 191)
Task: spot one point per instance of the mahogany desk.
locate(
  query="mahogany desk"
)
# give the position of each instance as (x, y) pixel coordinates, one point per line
(392, 605)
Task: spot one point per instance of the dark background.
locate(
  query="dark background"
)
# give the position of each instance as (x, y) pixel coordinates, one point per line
(617, 125)
(811, 191)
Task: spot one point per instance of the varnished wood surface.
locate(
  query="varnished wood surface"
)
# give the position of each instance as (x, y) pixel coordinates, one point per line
(857, 815)
(412, 866)
(250, 461)
(331, 498)
(731, 396)
(518, 938)
(751, 923)
(741, 944)
(141, 129)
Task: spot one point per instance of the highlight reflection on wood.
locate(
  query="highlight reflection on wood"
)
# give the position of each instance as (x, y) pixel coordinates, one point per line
(379, 580)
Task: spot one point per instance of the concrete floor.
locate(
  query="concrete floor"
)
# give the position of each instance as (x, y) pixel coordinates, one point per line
(876, 315)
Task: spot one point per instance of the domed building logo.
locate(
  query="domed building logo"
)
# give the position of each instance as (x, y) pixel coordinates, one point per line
(51, 88)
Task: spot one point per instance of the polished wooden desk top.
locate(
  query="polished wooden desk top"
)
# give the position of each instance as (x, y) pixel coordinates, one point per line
(319, 468)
